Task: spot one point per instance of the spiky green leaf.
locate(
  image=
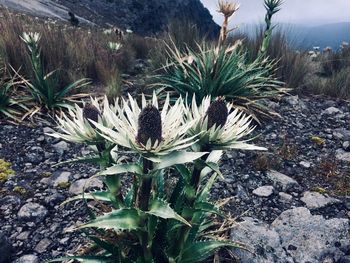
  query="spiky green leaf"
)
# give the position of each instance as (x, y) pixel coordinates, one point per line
(203, 196)
(208, 208)
(98, 195)
(122, 219)
(85, 259)
(162, 209)
(122, 168)
(177, 157)
(201, 250)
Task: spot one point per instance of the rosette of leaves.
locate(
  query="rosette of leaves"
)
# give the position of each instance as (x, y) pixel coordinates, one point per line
(45, 88)
(222, 71)
(147, 222)
(9, 105)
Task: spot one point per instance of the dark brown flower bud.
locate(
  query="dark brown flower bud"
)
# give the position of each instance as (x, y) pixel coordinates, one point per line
(150, 125)
(90, 112)
(217, 113)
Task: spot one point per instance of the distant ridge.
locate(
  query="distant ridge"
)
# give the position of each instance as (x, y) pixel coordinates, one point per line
(307, 37)
(326, 35)
(141, 16)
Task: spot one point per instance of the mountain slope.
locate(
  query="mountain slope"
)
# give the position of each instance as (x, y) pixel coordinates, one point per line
(327, 35)
(141, 16)
(307, 37)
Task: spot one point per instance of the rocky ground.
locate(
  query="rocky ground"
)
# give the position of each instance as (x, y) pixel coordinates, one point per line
(292, 202)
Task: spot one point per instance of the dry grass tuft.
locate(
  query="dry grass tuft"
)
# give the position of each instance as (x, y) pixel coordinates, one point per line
(288, 151)
(78, 52)
(328, 168)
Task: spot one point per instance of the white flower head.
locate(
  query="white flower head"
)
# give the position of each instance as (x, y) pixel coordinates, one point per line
(77, 126)
(31, 37)
(114, 46)
(107, 31)
(219, 127)
(167, 126)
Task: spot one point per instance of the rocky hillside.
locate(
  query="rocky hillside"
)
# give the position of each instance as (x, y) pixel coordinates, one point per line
(141, 16)
(292, 206)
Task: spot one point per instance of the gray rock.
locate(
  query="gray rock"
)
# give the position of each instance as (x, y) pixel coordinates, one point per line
(32, 212)
(241, 193)
(5, 249)
(314, 200)
(305, 164)
(48, 130)
(342, 134)
(261, 240)
(331, 111)
(23, 236)
(343, 156)
(64, 241)
(35, 155)
(41, 138)
(338, 135)
(271, 136)
(57, 178)
(346, 146)
(77, 187)
(61, 147)
(9, 203)
(295, 236)
(345, 259)
(28, 259)
(42, 246)
(285, 198)
(273, 105)
(264, 191)
(292, 100)
(347, 206)
(282, 180)
(311, 237)
(54, 199)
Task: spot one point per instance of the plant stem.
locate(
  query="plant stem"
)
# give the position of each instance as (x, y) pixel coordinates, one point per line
(189, 201)
(144, 193)
(223, 32)
(196, 174)
(113, 182)
(142, 202)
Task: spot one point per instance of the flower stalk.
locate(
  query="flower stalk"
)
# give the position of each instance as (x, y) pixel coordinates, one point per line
(142, 202)
(272, 7)
(227, 9)
(149, 132)
(216, 117)
(144, 192)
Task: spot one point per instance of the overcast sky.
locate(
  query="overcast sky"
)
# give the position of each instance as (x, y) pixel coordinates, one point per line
(313, 12)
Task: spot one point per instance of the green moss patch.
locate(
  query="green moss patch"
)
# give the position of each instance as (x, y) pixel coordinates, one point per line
(5, 170)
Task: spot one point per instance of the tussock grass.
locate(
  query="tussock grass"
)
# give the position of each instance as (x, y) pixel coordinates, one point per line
(292, 66)
(78, 52)
(181, 34)
(331, 74)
